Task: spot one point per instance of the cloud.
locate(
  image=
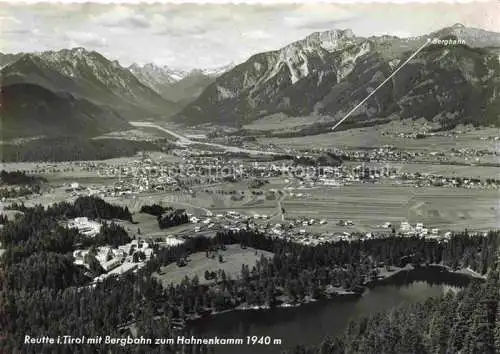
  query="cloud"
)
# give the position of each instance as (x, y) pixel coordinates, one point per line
(10, 19)
(183, 23)
(318, 16)
(256, 34)
(12, 25)
(121, 16)
(188, 36)
(323, 25)
(85, 39)
(181, 32)
(16, 31)
(402, 34)
(158, 20)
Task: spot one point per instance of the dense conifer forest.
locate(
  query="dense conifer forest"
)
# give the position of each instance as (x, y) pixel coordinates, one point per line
(166, 216)
(467, 322)
(44, 293)
(19, 178)
(173, 218)
(154, 209)
(16, 184)
(77, 149)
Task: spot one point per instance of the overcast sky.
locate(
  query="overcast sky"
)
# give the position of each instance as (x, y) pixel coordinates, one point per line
(207, 36)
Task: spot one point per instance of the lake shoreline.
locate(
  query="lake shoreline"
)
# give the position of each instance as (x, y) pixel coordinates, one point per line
(386, 278)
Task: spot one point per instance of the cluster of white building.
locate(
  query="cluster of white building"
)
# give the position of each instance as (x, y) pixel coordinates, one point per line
(116, 260)
(407, 229)
(171, 241)
(107, 257)
(85, 226)
(419, 229)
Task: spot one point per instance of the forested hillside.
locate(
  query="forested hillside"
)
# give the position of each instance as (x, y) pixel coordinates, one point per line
(70, 148)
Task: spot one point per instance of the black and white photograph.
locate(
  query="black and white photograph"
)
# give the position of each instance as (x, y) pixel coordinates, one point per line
(249, 178)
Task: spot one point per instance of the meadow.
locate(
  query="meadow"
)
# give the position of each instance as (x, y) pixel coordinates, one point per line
(234, 257)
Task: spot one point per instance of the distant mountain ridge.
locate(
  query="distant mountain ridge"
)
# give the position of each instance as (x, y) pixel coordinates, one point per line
(475, 37)
(328, 73)
(176, 85)
(156, 76)
(6, 59)
(88, 75)
(218, 71)
(82, 85)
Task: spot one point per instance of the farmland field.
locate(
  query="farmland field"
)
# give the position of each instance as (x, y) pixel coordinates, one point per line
(375, 137)
(281, 121)
(481, 172)
(370, 205)
(234, 258)
(449, 170)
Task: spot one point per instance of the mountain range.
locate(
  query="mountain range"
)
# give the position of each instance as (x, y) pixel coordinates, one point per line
(328, 73)
(82, 84)
(6, 59)
(77, 88)
(156, 76)
(89, 75)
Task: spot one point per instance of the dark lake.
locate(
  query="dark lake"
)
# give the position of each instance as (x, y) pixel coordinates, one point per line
(311, 323)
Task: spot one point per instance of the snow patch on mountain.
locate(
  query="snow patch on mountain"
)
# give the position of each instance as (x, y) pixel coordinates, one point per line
(156, 76)
(214, 72)
(393, 64)
(224, 93)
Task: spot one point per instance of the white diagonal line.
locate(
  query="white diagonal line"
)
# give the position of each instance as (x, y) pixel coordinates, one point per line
(382, 84)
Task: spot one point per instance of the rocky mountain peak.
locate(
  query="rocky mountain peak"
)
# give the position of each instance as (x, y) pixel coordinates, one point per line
(473, 37)
(330, 40)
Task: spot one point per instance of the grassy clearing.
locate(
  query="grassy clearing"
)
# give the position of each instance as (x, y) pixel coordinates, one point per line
(234, 258)
(57, 195)
(145, 226)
